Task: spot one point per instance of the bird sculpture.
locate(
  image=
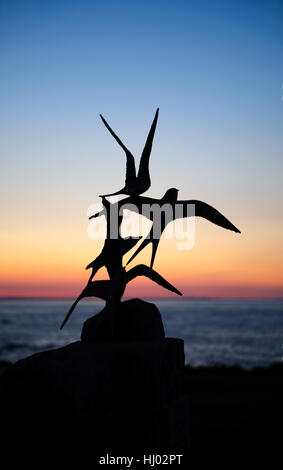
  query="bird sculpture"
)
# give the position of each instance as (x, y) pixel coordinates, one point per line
(111, 256)
(179, 209)
(167, 208)
(114, 248)
(113, 289)
(135, 184)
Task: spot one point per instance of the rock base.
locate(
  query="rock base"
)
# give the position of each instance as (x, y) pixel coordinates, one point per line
(121, 394)
(135, 320)
(107, 397)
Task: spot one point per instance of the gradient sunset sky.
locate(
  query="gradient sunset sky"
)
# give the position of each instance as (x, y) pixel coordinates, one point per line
(215, 70)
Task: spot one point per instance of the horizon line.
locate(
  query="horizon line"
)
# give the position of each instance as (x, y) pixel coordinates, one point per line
(199, 297)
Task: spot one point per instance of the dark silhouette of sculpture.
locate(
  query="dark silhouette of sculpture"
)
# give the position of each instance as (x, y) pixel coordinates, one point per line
(113, 249)
(121, 388)
(137, 203)
(111, 257)
(111, 290)
(201, 209)
(135, 184)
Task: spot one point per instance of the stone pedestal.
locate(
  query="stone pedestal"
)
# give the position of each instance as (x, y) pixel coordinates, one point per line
(135, 320)
(121, 395)
(110, 396)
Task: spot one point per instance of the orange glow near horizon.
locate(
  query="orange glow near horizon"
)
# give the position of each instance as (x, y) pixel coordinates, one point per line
(51, 263)
(212, 68)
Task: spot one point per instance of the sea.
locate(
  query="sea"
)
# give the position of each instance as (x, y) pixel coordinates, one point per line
(248, 333)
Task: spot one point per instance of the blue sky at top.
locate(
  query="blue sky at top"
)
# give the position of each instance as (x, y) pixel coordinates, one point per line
(213, 67)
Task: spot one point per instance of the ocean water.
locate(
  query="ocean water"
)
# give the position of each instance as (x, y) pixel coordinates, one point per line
(216, 331)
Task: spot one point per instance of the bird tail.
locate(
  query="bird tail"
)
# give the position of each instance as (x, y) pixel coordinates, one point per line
(154, 251)
(128, 243)
(96, 263)
(113, 194)
(140, 248)
(98, 214)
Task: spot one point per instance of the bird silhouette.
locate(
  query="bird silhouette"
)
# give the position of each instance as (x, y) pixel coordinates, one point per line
(112, 290)
(182, 209)
(138, 204)
(160, 211)
(114, 248)
(111, 255)
(135, 184)
(135, 204)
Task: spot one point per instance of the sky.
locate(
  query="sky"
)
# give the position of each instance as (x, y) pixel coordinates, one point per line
(215, 70)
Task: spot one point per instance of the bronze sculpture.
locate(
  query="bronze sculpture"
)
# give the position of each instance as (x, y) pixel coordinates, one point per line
(111, 256)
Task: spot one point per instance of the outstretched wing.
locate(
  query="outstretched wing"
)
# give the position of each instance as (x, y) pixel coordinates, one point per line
(130, 166)
(71, 310)
(186, 209)
(201, 209)
(143, 270)
(97, 289)
(143, 168)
